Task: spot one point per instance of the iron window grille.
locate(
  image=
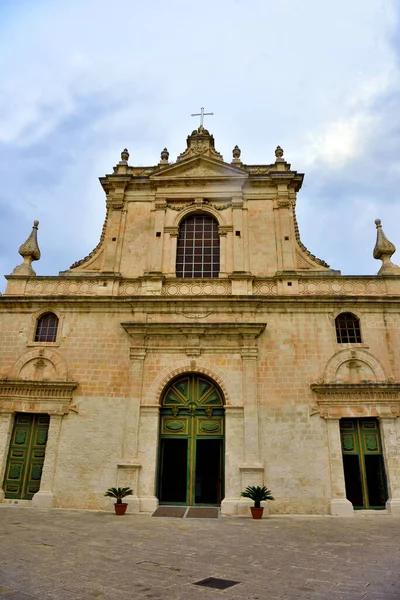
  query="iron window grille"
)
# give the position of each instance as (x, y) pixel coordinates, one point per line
(347, 329)
(197, 252)
(46, 328)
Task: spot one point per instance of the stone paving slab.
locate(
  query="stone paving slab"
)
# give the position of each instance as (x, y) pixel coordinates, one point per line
(84, 555)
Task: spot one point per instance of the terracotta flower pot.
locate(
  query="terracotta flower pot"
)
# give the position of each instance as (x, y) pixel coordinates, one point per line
(256, 512)
(120, 509)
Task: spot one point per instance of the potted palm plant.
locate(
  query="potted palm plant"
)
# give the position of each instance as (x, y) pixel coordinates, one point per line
(258, 494)
(119, 493)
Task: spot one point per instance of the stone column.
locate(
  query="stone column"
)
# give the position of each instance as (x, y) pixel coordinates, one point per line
(252, 471)
(234, 452)
(44, 497)
(339, 505)
(6, 424)
(149, 424)
(391, 453)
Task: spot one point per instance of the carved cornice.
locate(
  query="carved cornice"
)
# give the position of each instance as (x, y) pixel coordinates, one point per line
(346, 400)
(362, 390)
(50, 397)
(193, 338)
(254, 329)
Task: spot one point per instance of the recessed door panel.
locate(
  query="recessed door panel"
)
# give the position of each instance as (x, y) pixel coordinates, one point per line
(174, 467)
(363, 463)
(26, 456)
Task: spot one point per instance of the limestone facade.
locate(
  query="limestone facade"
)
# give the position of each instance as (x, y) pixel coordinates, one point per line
(263, 330)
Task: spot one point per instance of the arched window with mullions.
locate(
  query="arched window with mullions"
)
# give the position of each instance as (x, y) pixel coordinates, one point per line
(46, 328)
(347, 329)
(197, 252)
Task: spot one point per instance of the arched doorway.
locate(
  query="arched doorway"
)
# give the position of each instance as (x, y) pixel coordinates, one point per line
(191, 460)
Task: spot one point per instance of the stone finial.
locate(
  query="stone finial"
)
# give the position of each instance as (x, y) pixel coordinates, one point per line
(164, 156)
(236, 152)
(124, 155)
(383, 251)
(279, 154)
(29, 250)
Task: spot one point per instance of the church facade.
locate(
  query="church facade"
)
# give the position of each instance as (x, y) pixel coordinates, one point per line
(201, 348)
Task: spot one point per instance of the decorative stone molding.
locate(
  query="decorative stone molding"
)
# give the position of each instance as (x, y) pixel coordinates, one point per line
(27, 364)
(338, 400)
(195, 207)
(351, 355)
(195, 338)
(156, 389)
(222, 206)
(343, 286)
(179, 207)
(60, 287)
(130, 288)
(50, 397)
(197, 287)
(200, 142)
(173, 231)
(266, 287)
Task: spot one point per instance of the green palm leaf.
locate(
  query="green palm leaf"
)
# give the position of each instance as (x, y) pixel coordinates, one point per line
(119, 493)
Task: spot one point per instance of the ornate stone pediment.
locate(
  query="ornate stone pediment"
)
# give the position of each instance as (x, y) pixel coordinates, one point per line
(339, 400)
(49, 397)
(200, 167)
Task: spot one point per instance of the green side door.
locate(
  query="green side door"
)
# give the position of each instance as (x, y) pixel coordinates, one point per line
(26, 456)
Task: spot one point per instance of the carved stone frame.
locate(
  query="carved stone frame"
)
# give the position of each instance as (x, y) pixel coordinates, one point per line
(359, 400)
(45, 397)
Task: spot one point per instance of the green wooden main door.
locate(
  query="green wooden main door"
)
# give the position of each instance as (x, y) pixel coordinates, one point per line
(191, 443)
(26, 456)
(363, 463)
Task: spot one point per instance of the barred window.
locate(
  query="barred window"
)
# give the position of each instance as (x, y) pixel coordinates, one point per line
(347, 329)
(197, 252)
(46, 328)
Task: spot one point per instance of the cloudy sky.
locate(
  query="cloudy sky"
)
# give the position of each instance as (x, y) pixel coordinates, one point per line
(81, 80)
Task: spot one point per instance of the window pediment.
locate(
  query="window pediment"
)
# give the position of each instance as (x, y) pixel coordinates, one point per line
(338, 400)
(48, 397)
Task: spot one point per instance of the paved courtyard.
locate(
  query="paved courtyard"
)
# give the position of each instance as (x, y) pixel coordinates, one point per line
(73, 555)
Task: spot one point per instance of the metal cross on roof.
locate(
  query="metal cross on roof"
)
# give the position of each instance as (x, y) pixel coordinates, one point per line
(201, 114)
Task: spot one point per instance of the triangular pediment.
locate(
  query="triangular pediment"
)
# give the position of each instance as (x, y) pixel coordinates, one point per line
(200, 167)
